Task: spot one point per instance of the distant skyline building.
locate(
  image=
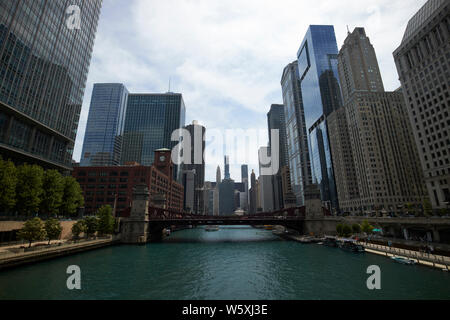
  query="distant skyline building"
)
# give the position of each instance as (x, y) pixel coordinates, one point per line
(149, 123)
(244, 180)
(296, 135)
(317, 66)
(104, 130)
(226, 197)
(423, 63)
(188, 182)
(253, 193)
(266, 193)
(216, 194)
(43, 71)
(227, 167)
(276, 121)
(197, 133)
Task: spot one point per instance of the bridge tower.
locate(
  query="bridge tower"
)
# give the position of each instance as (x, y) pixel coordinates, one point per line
(313, 204)
(135, 228)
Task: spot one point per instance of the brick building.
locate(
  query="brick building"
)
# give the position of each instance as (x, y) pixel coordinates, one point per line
(114, 184)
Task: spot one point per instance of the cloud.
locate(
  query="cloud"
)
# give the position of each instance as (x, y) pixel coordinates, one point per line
(227, 56)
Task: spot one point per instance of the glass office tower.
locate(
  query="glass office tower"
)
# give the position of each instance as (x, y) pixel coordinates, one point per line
(103, 138)
(149, 123)
(317, 66)
(296, 136)
(43, 70)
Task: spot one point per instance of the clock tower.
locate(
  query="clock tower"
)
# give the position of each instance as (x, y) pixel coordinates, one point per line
(163, 162)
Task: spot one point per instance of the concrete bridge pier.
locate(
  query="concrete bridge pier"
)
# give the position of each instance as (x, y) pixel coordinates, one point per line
(436, 235)
(135, 229)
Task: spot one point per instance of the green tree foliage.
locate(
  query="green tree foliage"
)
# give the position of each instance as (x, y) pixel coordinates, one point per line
(105, 220)
(29, 188)
(366, 227)
(347, 230)
(8, 184)
(78, 228)
(427, 208)
(356, 228)
(53, 191)
(33, 230)
(91, 224)
(72, 197)
(339, 229)
(53, 229)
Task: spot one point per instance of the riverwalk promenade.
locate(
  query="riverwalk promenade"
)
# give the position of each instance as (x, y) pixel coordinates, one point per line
(426, 259)
(17, 255)
(422, 258)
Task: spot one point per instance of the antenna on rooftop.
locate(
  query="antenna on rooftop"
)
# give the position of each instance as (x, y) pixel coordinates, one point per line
(348, 30)
(169, 83)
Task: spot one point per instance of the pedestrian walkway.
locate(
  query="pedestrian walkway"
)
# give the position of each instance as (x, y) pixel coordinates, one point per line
(431, 260)
(9, 259)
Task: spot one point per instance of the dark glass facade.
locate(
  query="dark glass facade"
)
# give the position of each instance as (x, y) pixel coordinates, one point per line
(103, 138)
(149, 123)
(276, 121)
(296, 136)
(43, 71)
(321, 95)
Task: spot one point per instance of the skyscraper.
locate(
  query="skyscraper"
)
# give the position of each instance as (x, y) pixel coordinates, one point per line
(358, 65)
(375, 160)
(44, 64)
(317, 67)
(423, 64)
(244, 180)
(149, 123)
(226, 197)
(244, 173)
(197, 133)
(276, 121)
(253, 193)
(227, 167)
(296, 137)
(104, 131)
(265, 183)
(216, 209)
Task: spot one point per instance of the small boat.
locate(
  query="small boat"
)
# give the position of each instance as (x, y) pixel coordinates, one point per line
(404, 260)
(305, 240)
(351, 245)
(330, 242)
(167, 232)
(320, 243)
(268, 227)
(212, 228)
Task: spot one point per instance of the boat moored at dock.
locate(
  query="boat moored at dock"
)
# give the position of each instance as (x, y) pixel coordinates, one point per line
(351, 245)
(403, 260)
(330, 242)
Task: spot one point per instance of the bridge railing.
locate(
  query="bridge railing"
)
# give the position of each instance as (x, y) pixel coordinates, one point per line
(169, 214)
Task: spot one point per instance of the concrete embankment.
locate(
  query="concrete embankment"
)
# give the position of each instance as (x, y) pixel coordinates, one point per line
(10, 260)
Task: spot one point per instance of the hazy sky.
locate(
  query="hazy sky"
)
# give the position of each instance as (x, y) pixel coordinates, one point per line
(227, 56)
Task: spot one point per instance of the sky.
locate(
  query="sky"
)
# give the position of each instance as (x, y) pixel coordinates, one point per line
(227, 56)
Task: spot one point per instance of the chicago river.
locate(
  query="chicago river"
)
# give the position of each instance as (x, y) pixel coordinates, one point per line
(237, 263)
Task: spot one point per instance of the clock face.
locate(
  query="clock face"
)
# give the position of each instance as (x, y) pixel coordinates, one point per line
(162, 158)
